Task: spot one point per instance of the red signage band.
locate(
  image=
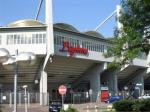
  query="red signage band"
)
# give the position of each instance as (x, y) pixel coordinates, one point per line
(71, 50)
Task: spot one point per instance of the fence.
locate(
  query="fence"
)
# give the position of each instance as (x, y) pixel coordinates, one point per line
(83, 97)
(8, 98)
(73, 98)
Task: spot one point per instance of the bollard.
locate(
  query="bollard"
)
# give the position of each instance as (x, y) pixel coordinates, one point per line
(87, 108)
(28, 99)
(19, 99)
(109, 108)
(10, 99)
(96, 108)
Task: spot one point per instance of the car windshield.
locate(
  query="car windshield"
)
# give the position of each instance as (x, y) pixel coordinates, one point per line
(55, 102)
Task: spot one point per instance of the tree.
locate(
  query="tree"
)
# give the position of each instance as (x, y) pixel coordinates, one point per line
(134, 36)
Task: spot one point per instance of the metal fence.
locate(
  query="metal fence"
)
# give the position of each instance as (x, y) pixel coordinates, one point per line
(8, 98)
(83, 97)
(73, 98)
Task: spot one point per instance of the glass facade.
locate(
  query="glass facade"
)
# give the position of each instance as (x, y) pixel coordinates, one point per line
(40, 38)
(26, 38)
(90, 45)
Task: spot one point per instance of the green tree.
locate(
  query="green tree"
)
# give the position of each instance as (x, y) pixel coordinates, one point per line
(133, 38)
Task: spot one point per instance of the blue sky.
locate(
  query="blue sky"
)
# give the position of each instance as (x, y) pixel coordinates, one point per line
(83, 14)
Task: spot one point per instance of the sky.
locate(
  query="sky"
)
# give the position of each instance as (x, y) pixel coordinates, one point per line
(84, 15)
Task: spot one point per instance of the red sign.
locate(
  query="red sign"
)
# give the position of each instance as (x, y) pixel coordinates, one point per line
(71, 50)
(62, 89)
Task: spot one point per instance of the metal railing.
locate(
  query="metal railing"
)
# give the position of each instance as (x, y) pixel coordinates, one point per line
(7, 98)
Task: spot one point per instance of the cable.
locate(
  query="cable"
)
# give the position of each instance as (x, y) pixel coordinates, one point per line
(112, 14)
(39, 8)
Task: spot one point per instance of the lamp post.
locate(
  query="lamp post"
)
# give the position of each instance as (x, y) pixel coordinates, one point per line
(25, 96)
(125, 92)
(17, 59)
(138, 86)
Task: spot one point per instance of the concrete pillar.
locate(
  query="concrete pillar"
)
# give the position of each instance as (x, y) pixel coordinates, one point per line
(113, 83)
(43, 88)
(93, 75)
(139, 84)
(1, 97)
(95, 82)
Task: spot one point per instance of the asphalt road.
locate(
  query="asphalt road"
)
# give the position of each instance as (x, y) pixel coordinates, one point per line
(87, 107)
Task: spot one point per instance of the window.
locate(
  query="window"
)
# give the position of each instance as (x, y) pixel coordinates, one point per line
(0, 39)
(26, 38)
(10, 39)
(44, 38)
(33, 38)
(90, 45)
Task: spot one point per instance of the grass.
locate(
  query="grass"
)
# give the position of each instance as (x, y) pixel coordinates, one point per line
(105, 110)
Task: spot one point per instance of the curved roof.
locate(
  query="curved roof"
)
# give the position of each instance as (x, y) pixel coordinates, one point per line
(25, 23)
(66, 27)
(94, 33)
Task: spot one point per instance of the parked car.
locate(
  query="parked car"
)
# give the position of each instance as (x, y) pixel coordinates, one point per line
(55, 106)
(113, 99)
(146, 96)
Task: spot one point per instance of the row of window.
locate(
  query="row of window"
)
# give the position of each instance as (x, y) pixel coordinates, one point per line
(26, 38)
(92, 46)
(40, 38)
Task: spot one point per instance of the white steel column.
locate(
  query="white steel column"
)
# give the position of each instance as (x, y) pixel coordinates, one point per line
(118, 15)
(49, 51)
(49, 23)
(43, 88)
(49, 32)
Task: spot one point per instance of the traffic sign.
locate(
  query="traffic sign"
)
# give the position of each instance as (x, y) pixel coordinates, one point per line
(62, 89)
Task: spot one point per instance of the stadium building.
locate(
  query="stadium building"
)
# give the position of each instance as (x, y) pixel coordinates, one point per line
(77, 62)
(65, 56)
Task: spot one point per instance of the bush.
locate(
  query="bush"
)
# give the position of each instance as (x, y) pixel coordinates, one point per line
(70, 109)
(123, 105)
(136, 106)
(0, 108)
(132, 105)
(144, 105)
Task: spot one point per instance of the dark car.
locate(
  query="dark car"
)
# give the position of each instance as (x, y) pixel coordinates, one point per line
(113, 99)
(55, 106)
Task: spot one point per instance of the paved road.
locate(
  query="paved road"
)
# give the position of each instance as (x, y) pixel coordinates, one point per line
(87, 107)
(31, 108)
(91, 107)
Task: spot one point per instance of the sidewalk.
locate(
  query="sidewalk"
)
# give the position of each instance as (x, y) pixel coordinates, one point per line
(31, 108)
(91, 107)
(86, 107)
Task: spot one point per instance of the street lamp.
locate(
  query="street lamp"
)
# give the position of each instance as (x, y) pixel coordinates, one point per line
(4, 55)
(23, 58)
(138, 86)
(25, 96)
(125, 91)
